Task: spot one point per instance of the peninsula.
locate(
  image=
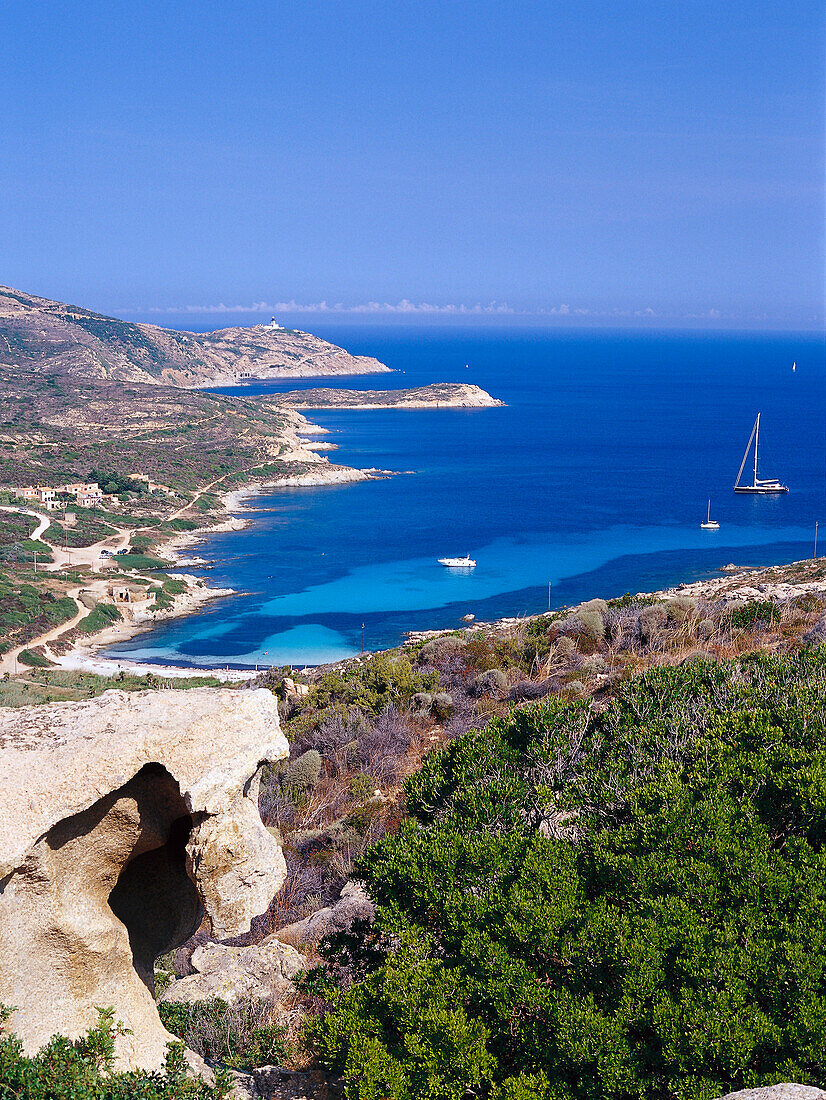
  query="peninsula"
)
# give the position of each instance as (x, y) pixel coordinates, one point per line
(440, 395)
(68, 340)
(107, 464)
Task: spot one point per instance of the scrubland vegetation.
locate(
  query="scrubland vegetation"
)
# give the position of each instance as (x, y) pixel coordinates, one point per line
(29, 608)
(83, 1070)
(594, 841)
(590, 904)
(41, 684)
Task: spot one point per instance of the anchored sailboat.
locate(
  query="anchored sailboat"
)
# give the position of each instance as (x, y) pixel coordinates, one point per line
(758, 485)
(710, 524)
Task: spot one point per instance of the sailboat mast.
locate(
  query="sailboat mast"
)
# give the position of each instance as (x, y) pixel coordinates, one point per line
(746, 455)
(756, 444)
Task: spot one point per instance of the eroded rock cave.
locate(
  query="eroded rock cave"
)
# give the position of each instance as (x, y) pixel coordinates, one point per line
(123, 821)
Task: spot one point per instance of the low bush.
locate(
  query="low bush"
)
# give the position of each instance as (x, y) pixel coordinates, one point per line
(677, 948)
(442, 706)
(83, 1069)
(241, 1035)
(33, 659)
(593, 624)
(764, 611)
(681, 609)
(303, 773)
(492, 682)
(102, 615)
(142, 562)
(651, 621)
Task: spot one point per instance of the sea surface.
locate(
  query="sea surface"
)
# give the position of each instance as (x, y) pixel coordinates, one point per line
(593, 480)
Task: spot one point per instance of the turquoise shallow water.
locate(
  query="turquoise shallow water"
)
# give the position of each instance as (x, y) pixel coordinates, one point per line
(594, 478)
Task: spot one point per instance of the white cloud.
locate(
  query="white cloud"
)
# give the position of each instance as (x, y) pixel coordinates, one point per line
(404, 306)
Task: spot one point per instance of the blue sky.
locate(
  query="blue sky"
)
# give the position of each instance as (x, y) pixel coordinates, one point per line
(579, 160)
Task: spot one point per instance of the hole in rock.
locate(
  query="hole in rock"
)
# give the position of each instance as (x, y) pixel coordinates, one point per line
(154, 897)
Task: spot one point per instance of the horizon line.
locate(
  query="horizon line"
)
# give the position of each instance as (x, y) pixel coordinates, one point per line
(494, 309)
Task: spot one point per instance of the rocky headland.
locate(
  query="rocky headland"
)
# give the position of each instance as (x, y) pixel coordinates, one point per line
(439, 395)
(75, 341)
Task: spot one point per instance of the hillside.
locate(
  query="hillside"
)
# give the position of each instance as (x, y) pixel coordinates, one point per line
(42, 336)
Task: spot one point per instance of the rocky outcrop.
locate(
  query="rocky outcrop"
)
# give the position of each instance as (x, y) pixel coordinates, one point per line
(778, 1092)
(261, 972)
(124, 821)
(353, 905)
(276, 1083)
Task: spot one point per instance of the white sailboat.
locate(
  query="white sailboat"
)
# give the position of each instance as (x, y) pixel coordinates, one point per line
(758, 485)
(710, 524)
(466, 562)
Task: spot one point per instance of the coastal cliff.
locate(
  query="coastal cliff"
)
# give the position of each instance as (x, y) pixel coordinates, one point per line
(53, 337)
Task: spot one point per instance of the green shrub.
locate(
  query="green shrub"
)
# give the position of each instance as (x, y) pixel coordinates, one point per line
(303, 773)
(60, 610)
(442, 705)
(677, 949)
(142, 562)
(103, 615)
(361, 786)
(82, 1069)
(764, 611)
(384, 680)
(33, 659)
(239, 1035)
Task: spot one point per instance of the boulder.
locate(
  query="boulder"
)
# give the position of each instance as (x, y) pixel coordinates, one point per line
(262, 972)
(786, 1091)
(277, 1083)
(124, 820)
(351, 906)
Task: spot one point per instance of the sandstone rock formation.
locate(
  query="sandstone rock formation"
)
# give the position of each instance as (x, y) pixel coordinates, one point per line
(262, 971)
(123, 820)
(353, 905)
(276, 1083)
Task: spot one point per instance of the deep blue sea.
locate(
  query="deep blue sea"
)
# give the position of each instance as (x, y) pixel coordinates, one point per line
(594, 479)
